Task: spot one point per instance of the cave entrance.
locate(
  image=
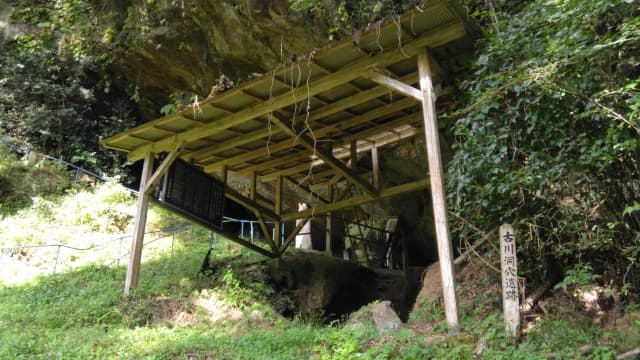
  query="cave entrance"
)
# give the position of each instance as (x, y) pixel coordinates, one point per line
(298, 133)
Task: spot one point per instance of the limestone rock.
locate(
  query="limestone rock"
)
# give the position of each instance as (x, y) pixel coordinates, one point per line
(385, 318)
(337, 287)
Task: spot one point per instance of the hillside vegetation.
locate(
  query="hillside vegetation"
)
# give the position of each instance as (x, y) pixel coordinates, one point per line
(177, 312)
(550, 140)
(229, 313)
(546, 137)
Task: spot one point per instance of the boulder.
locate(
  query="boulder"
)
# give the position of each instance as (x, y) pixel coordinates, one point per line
(385, 318)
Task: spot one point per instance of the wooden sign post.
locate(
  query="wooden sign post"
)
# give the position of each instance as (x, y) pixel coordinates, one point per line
(510, 294)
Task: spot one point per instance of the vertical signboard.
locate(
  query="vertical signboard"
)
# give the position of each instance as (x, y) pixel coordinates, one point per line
(510, 294)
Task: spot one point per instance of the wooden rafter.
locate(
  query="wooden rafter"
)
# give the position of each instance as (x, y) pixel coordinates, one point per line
(358, 200)
(307, 189)
(343, 151)
(358, 98)
(336, 164)
(319, 133)
(436, 37)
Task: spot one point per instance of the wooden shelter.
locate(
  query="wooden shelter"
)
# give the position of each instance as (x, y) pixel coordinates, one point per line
(307, 122)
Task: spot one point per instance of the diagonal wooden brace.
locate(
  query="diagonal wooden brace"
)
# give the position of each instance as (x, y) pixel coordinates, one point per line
(331, 161)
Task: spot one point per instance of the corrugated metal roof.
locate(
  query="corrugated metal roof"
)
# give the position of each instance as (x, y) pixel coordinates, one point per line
(326, 98)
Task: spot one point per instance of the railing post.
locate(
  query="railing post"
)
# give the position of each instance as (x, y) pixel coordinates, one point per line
(55, 264)
(119, 252)
(215, 244)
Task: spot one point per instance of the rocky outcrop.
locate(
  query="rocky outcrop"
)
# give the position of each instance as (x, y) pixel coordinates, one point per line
(386, 320)
(337, 287)
(172, 46)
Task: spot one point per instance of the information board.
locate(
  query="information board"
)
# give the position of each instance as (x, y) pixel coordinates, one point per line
(191, 192)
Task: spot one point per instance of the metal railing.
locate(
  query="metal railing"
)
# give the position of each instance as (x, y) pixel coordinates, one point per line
(78, 171)
(118, 246)
(167, 233)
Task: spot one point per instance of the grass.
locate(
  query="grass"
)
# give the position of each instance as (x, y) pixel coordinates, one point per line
(175, 313)
(81, 314)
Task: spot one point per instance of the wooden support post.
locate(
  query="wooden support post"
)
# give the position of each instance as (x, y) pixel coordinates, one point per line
(445, 253)
(353, 148)
(405, 270)
(252, 188)
(133, 270)
(375, 164)
(223, 174)
(327, 242)
(278, 210)
(162, 169)
(510, 294)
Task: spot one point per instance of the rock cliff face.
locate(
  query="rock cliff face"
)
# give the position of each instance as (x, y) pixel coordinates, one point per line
(182, 47)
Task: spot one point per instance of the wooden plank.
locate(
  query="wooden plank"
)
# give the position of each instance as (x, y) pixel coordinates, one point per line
(250, 204)
(265, 232)
(231, 144)
(434, 38)
(327, 241)
(393, 84)
(342, 152)
(162, 169)
(293, 234)
(295, 169)
(319, 133)
(224, 173)
(336, 164)
(274, 164)
(445, 253)
(358, 200)
(279, 191)
(320, 185)
(353, 154)
(306, 189)
(278, 208)
(388, 126)
(375, 165)
(252, 186)
(510, 293)
(135, 255)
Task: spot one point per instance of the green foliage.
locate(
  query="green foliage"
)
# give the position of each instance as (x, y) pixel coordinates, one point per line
(55, 92)
(22, 181)
(345, 16)
(550, 138)
(427, 310)
(580, 275)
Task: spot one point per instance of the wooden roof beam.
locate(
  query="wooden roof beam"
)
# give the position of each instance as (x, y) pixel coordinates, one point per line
(306, 189)
(338, 151)
(358, 200)
(319, 133)
(328, 158)
(272, 164)
(345, 151)
(364, 96)
(433, 38)
(394, 84)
